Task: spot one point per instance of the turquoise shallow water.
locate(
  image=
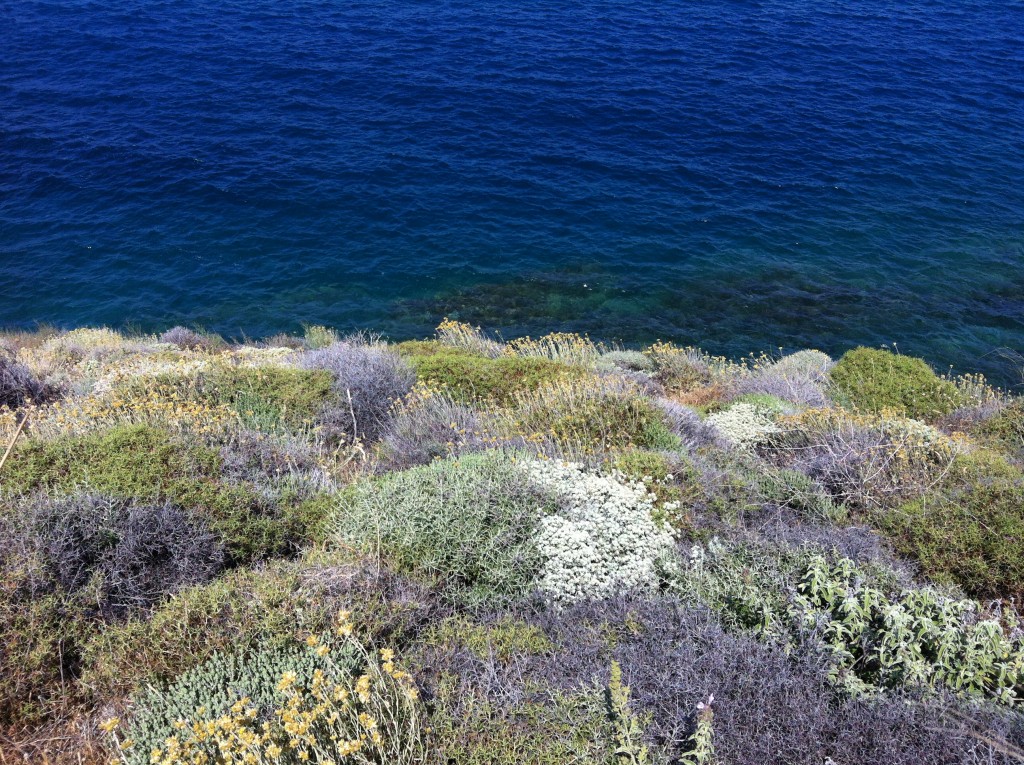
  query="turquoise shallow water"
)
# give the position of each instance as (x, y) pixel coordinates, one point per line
(742, 175)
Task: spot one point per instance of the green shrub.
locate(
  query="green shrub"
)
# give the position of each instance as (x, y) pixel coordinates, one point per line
(39, 644)
(318, 336)
(145, 463)
(584, 416)
(130, 461)
(747, 584)
(917, 638)
(973, 537)
(1005, 429)
(266, 398)
(680, 369)
(239, 611)
(469, 376)
(797, 491)
(503, 639)
(248, 609)
(466, 523)
(471, 729)
(878, 381)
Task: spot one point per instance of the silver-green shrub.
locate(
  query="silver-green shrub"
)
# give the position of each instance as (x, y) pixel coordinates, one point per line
(468, 524)
(210, 690)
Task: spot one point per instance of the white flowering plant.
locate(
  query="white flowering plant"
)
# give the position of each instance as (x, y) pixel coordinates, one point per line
(603, 538)
(744, 424)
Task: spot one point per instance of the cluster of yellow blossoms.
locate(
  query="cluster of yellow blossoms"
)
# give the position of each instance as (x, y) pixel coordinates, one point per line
(336, 718)
(566, 347)
(97, 412)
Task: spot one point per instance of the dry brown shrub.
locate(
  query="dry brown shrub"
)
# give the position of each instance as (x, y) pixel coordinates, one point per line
(702, 396)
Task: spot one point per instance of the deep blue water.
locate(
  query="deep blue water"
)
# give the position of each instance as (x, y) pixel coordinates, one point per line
(743, 175)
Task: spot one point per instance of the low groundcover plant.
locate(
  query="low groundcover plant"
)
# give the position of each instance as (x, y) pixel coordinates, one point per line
(582, 551)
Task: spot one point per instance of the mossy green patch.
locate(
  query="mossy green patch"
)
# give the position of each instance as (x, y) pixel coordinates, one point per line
(972, 536)
(503, 639)
(877, 381)
(470, 377)
(143, 462)
(266, 398)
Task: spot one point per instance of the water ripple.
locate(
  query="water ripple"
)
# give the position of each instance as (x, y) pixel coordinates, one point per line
(737, 174)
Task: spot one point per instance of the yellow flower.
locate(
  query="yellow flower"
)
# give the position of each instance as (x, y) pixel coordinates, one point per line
(322, 651)
(273, 750)
(110, 724)
(312, 640)
(288, 679)
(363, 688)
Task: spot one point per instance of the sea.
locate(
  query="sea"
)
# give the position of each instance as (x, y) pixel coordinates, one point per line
(742, 175)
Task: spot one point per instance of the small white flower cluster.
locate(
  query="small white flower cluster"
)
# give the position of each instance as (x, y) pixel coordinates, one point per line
(743, 424)
(602, 539)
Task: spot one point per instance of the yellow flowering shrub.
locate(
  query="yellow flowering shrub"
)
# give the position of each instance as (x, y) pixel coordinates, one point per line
(577, 417)
(565, 347)
(339, 704)
(458, 334)
(92, 413)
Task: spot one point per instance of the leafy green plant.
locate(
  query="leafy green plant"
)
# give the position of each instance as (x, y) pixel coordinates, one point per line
(702, 742)
(918, 638)
(629, 749)
(877, 381)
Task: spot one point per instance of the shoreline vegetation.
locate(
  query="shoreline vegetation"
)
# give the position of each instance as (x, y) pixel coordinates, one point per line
(334, 549)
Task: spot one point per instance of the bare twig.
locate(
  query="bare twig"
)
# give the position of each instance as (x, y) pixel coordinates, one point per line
(14, 439)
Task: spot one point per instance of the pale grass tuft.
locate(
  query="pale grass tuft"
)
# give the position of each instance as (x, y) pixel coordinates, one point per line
(457, 334)
(566, 347)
